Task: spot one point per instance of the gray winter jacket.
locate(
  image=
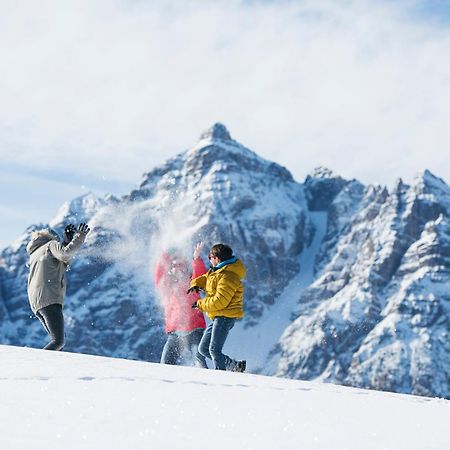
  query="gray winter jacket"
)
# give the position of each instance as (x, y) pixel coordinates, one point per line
(48, 263)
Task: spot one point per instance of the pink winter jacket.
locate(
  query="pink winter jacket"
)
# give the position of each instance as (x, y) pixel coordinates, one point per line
(178, 312)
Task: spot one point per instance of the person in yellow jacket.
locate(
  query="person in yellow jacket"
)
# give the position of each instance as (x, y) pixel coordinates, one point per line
(223, 303)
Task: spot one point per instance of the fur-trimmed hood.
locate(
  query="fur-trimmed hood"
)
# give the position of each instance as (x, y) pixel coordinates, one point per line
(40, 238)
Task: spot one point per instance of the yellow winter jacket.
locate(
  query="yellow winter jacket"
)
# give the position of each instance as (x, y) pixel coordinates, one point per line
(224, 291)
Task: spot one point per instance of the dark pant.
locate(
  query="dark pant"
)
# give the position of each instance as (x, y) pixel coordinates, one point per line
(176, 344)
(213, 341)
(52, 319)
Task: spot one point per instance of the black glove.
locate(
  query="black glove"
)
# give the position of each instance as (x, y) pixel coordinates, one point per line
(83, 228)
(193, 289)
(194, 305)
(69, 231)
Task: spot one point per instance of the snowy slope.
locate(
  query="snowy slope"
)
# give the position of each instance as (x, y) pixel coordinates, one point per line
(73, 401)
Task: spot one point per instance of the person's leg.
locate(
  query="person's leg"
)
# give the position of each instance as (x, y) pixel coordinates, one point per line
(172, 350)
(203, 346)
(52, 318)
(42, 320)
(194, 339)
(220, 329)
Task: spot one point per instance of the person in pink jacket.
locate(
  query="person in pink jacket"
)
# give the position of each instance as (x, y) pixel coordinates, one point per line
(184, 325)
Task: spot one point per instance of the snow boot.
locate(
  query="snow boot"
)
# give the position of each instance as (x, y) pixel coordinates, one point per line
(240, 366)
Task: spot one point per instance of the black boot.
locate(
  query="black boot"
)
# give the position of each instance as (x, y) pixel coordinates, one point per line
(240, 366)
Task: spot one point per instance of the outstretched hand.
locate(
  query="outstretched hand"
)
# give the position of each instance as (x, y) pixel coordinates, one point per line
(68, 233)
(83, 228)
(193, 289)
(198, 249)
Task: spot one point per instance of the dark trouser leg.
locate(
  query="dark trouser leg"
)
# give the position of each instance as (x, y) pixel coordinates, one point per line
(194, 339)
(213, 341)
(52, 319)
(41, 319)
(172, 350)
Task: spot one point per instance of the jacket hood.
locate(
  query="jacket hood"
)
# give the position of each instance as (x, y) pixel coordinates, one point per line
(237, 267)
(40, 238)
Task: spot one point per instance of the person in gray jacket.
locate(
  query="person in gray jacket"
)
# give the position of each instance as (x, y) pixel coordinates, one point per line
(49, 260)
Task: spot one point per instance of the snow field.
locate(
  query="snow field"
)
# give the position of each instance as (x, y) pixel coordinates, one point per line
(72, 401)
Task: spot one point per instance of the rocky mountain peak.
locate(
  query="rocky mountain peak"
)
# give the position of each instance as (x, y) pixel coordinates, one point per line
(322, 187)
(323, 172)
(427, 182)
(79, 209)
(399, 187)
(215, 157)
(217, 132)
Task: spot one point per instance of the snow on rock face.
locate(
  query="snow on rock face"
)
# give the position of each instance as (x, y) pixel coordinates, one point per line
(377, 315)
(340, 212)
(415, 323)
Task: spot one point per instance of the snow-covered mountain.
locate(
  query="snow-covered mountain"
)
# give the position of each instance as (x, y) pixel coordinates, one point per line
(346, 282)
(377, 314)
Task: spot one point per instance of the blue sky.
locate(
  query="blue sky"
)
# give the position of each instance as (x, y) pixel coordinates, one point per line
(436, 10)
(95, 93)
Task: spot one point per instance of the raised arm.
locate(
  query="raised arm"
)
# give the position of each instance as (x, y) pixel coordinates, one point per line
(161, 268)
(66, 253)
(198, 266)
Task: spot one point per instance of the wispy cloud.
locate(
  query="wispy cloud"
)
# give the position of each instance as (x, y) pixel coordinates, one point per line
(113, 88)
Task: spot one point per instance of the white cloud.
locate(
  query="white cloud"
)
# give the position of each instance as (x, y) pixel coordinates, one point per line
(114, 88)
